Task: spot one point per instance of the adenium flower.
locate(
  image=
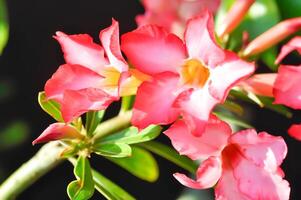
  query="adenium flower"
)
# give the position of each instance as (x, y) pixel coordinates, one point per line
(188, 77)
(93, 75)
(259, 84)
(243, 166)
(173, 14)
(58, 131)
(295, 131)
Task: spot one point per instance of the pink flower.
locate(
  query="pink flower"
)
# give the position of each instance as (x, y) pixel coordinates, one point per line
(188, 77)
(287, 90)
(173, 14)
(94, 75)
(293, 44)
(58, 131)
(260, 84)
(243, 166)
(295, 131)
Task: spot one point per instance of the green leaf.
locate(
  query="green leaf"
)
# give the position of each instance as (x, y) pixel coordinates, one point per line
(13, 135)
(232, 120)
(265, 102)
(4, 26)
(127, 103)
(141, 164)
(117, 150)
(132, 136)
(289, 8)
(170, 154)
(231, 106)
(109, 189)
(83, 187)
(51, 107)
(93, 118)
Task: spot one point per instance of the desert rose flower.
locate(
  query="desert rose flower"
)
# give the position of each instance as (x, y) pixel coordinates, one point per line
(58, 131)
(259, 84)
(244, 165)
(93, 75)
(188, 77)
(173, 14)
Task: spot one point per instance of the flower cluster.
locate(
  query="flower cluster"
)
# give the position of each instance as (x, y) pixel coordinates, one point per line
(179, 76)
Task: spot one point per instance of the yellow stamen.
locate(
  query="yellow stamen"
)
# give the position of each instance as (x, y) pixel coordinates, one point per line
(194, 73)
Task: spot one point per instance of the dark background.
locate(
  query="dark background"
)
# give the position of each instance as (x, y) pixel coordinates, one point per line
(32, 55)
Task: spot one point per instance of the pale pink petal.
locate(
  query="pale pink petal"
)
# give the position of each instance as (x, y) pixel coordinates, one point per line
(160, 6)
(70, 77)
(295, 131)
(196, 107)
(207, 174)
(78, 102)
(287, 90)
(258, 183)
(154, 100)
(228, 74)
(293, 44)
(260, 84)
(58, 131)
(265, 150)
(109, 38)
(189, 9)
(81, 50)
(200, 41)
(210, 143)
(153, 50)
(227, 187)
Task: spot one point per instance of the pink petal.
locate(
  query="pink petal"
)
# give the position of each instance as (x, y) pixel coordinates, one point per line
(293, 44)
(263, 149)
(207, 175)
(200, 41)
(287, 90)
(70, 77)
(227, 187)
(80, 49)
(189, 9)
(196, 114)
(260, 84)
(295, 131)
(154, 100)
(78, 102)
(153, 50)
(58, 131)
(228, 74)
(109, 38)
(244, 179)
(210, 143)
(257, 183)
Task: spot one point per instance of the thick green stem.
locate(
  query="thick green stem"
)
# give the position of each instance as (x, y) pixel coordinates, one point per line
(46, 158)
(113, 125)
(49, 156)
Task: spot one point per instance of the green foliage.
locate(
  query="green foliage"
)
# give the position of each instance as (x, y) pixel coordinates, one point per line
(131, 135)
(51, 107)
(93, 118)
(13, 135)
(83, 187)
(171, 155)
(117, 150)
(109, 189)
(4, 26)
(141, 164)
(127, 103)
(289, 8)
(265, 102)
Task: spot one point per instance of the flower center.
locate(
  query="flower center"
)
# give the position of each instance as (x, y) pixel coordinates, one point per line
(194, 73)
